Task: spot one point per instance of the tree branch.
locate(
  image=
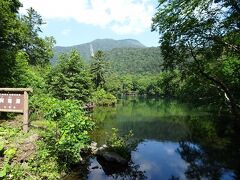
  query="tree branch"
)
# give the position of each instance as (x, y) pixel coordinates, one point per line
(220, 84)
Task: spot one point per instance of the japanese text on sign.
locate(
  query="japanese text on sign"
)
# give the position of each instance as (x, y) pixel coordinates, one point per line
(11, 101)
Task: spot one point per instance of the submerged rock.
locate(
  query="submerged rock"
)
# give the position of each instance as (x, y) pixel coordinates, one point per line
(107, 157)
(112, 157)
(111, 162)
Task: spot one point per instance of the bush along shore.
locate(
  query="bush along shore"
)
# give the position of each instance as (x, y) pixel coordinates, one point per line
(58, 134)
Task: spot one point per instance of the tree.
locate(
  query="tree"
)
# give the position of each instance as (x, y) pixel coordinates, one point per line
(9, 24)
(70, 79)
(201, 37)
(113, 84)
(9, 39)
(99, 69)
(38, 49)
(127, 83)
(20, 44)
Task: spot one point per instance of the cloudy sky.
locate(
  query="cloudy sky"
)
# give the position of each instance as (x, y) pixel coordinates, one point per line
(74, 22)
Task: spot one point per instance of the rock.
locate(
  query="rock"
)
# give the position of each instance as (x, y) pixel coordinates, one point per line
(94, 152)
(112, 157)
(93, 145)
(111, 162)
(94, 149)
(102, 147)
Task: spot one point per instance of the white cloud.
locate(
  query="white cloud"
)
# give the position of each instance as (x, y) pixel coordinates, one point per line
(66, 32)
(170, 151)
(121, 16)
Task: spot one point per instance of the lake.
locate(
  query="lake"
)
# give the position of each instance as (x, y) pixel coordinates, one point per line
(173, 141)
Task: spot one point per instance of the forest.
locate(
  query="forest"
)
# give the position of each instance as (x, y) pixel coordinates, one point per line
(198, 62)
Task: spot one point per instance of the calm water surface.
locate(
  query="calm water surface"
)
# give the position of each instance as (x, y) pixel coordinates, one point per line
(174, 141)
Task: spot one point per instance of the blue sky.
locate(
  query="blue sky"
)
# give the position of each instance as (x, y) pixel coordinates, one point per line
(73, 22)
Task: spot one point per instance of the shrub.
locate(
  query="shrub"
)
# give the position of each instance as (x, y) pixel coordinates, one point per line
(121, 144)
(103, 98)
(70, 134)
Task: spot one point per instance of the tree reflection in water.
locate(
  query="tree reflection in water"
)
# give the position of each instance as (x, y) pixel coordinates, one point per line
(209, 147)
(131, 171)
(213, 152)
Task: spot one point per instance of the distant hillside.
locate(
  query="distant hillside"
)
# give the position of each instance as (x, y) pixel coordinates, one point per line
(98, 44)
(135, 60)
(124, 56)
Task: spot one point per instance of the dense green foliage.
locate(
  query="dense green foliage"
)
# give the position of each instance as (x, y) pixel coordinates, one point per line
(120, 144)
(39, 50)
(99, 69)
(135, 60)
(70, 79)
(20, 43)
(10, 34)
(57, 136)
(201, 39)
(59, 127)
(103, 98)
(163, 84)
(131, 60)
(69, 134)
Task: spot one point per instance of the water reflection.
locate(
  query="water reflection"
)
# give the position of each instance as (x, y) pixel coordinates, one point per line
(174, 142)
(214, 151)
(149, 119)
(159, 160)
(150, 160)
(100, 171)
(202, 165)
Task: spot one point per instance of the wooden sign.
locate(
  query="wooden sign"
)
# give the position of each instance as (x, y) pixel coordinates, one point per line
(11, 102)
(15, 100)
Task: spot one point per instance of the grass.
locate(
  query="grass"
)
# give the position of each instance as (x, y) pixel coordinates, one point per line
(24, 155)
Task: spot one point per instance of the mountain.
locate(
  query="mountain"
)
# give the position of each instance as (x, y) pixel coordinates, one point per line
(135, 60)
(98, 44)
(124, 56)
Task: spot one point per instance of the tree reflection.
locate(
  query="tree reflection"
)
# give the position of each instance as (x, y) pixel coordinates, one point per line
(211, 152)
(131, 171)
(112, 171)
(201, 165)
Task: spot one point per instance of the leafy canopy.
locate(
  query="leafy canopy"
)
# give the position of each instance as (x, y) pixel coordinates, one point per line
(201, 37)
(20, 44)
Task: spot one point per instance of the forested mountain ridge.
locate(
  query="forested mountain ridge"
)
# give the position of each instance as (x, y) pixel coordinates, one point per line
(124, 56)
(135, 60)
(98, 44)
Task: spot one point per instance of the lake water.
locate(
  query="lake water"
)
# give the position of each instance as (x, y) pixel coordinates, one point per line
(174, 141)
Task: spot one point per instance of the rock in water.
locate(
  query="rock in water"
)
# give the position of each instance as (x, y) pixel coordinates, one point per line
(112, 157)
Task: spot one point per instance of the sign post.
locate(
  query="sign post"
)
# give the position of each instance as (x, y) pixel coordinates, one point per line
(15, 100)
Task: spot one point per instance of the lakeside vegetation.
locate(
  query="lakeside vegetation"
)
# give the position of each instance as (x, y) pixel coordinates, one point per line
(199, 62)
